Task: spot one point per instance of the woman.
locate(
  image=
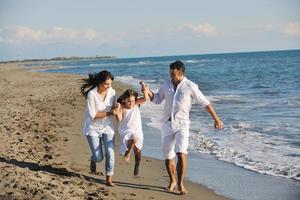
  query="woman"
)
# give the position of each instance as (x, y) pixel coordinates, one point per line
(98, 121)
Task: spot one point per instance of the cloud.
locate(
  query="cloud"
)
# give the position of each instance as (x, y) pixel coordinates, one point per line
(289, 28)
(204, 29)
(292, 28)
(55, 34)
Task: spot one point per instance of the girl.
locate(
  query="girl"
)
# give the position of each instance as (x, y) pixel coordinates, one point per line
(130, 127)
(98, 122)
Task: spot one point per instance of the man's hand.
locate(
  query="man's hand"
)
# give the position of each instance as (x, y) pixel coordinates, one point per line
(219, 124)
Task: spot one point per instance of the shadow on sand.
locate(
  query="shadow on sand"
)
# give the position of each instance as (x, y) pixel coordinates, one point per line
(64, 172)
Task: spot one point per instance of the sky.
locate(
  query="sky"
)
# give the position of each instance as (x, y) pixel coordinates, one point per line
(137, 28)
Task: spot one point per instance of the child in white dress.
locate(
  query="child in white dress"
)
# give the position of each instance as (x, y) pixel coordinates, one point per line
(130, 127)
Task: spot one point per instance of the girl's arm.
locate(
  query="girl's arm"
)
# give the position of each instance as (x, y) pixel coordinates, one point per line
(146, 92)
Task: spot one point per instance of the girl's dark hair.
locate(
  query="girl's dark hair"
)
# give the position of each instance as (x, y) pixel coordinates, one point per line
(178, 65)
(126, 94)
(94, 80)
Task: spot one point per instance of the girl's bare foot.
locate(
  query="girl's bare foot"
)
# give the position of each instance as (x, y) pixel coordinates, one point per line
(182, 190)
(171, 187)
(127, 156)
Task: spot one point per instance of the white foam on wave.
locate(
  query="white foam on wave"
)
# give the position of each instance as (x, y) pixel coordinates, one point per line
(135, 82)
(154, 114)
(227, 98)
(251, 150)
(199, 60)
(128, 80)
(139, 63)
(112, 64)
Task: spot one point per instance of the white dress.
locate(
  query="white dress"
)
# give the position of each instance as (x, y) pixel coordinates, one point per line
(130, 127)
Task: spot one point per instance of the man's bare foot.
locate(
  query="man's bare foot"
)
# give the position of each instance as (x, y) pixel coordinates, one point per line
(171, 187)
(182, 190)
(110, 184)
(136, 170)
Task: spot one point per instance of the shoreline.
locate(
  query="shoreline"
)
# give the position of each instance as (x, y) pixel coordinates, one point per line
(45, 154)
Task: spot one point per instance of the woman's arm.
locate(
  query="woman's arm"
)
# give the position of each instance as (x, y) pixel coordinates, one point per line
(100, 115)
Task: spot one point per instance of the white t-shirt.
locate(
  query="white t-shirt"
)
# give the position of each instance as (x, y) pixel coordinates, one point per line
(178, 103)
(95, 103)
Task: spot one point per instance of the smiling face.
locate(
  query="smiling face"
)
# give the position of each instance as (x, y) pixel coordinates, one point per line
(105, 85)
(129, 102)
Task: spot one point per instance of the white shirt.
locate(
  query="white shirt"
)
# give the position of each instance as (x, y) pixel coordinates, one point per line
(95, 103)
(178, 103)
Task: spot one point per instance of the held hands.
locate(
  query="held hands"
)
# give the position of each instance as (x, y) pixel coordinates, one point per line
(115, 110)
(144, 87)
(118, 111)
(118, 108)
(146, 90)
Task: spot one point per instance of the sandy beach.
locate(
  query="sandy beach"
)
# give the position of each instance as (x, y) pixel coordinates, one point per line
(44, 154)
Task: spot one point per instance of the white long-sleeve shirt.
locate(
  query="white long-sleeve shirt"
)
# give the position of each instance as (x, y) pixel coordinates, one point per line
(178, 103)
(95, 103)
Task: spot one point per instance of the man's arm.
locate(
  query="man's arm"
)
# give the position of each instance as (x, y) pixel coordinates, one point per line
(218, 122)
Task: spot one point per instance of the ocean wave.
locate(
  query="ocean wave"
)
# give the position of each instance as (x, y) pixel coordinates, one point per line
(139, 63)
(231, 99)
(199, 60)
(250, 150)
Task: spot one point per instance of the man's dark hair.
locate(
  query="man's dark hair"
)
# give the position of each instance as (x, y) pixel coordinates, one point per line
(178, 65)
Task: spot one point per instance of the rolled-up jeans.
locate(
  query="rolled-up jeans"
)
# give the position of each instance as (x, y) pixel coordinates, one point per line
(97, 151)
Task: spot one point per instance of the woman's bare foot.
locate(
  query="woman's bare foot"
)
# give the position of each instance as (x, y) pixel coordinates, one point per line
(93, 166)
(110, 184)
(109, 181)
(171, 186)
(182, 190)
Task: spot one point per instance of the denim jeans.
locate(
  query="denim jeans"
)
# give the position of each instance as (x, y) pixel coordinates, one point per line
(97, 151)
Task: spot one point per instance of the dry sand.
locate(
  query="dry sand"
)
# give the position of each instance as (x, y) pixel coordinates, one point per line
(45, 156)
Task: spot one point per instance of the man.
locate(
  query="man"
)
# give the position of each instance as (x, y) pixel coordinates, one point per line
(178, 94)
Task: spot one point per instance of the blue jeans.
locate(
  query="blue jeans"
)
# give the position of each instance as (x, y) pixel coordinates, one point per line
(97, 151)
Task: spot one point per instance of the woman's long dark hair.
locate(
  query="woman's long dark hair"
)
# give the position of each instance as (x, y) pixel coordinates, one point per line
(126, 94)
(94, 80)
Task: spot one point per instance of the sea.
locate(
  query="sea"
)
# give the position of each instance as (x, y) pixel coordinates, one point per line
(256, 94)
